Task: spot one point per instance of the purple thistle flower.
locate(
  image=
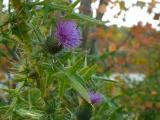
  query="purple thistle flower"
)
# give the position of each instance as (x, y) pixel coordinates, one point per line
(68, 34)
(95, 97)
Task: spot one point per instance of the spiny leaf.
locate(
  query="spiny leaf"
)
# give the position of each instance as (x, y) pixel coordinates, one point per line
(71, 80)
(71, 7)
(86, 18)
(76, 66)
(29, 114)
(88, 71)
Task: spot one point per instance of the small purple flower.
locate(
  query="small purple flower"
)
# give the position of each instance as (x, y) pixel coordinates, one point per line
(68, 34)
(95, 97)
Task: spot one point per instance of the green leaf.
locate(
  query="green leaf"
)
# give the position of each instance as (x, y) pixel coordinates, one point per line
(62, 88)
(63, 56)
(88, 71)
(72, 6)
(29, 114)
(75, 15)
(86, 18)
(11, 107)
(59, 7)
(77, 65)
(2, 54)
(105, 55)
(37, 32)
(34, 96)
(72, 81)
(104, 78)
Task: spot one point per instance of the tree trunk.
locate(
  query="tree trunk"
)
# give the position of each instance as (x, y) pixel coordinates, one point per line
(99, 14)
(85, 8)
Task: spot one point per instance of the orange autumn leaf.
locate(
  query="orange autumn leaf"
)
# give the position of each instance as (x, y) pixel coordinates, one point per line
(151, 6)
(121, 60)
(101, 33)
(158, 106)
(112, 47)
(148, 105)
(154, 93)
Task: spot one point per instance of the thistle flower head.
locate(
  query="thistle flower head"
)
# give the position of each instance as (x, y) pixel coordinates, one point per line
(67, 34)
(95, 97)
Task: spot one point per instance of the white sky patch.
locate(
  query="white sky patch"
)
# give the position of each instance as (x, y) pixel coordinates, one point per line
(147, 1)
(135, 15)
(5, 2)
(132, 16)
(131, 76)
(129, 3)
(94, 7)
(157, 8)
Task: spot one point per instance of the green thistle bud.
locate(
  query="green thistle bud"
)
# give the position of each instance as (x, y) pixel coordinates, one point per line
(85, 111)
(52, 46)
